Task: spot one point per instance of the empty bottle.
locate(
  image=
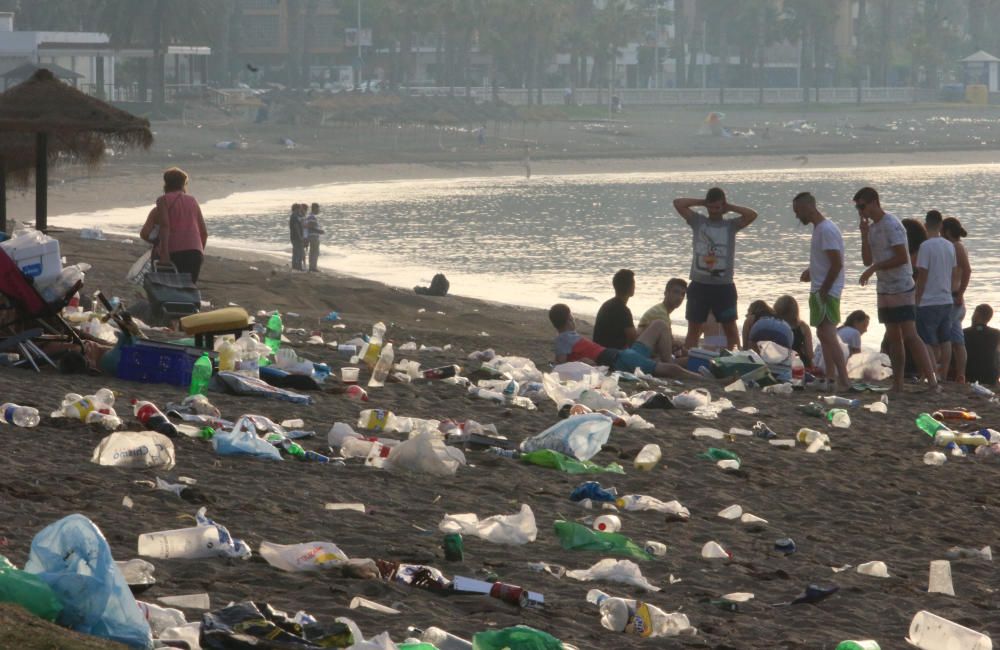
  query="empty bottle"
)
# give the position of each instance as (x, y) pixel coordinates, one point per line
(443, 372)
(868, 644)
(636, 617)
(201, 374)
(152, 418)
(934, 458)
(382, 367)
(778, 389)
(640, 502)
(372, 350)
(21, 416)
(441, 639)
(228, 356)
(840, 402)
(648, 457)
(487, 394)
(814, 409)
(272, 336)
(77, 406)
(955, 414)
(929, 425)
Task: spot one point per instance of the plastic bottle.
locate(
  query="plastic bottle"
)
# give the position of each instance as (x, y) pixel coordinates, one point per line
(510, 390)
(372, 350)
(485, 393)
(379, 420)
(807, 436)
(814, 409)
(955, 414)
(607, 523)
(858, 645)
(636, 617)
(228, 355)
(382, 367)
(22, 416)
(640, 502)
(839, 418)
(840, 402)
(443, 372)
(798, 370)
(272, 337)
(440, 638)
(929, 425)
(778, 389)
(152, 418)
(648, 457)
(201, 374)
(248, 356)
(934, 458)
(77, 406)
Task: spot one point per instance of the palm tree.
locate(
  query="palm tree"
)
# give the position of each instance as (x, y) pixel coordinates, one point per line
(811, 23)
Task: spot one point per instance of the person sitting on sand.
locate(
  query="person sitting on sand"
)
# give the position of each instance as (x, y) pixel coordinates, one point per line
(673, 296)
(767, 327)
(983, 345)
(787, 309)
(571, 346)
(614, 327)
(852, 330)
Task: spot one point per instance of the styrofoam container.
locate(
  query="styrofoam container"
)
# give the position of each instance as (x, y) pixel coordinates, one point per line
(41, 262)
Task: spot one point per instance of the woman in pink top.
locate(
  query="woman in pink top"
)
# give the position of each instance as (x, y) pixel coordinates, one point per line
(182, 234)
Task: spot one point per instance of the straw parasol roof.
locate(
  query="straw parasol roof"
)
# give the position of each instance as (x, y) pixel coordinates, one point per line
(44, 119)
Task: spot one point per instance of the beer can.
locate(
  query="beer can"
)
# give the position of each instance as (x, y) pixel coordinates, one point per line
(453, 548)
(511, 594)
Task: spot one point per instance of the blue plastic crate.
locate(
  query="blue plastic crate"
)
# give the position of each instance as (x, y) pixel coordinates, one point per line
(157, 363)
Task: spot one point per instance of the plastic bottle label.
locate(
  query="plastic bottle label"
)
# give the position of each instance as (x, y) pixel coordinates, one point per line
(8, 414)
(642, 623)
(83, 407)
(377, 420)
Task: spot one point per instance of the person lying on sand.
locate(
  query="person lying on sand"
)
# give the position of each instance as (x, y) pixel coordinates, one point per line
(571, 346)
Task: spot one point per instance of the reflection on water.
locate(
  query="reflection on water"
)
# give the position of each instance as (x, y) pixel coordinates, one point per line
(560, 238)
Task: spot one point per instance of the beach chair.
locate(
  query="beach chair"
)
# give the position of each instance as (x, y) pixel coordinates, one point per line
(27, 320)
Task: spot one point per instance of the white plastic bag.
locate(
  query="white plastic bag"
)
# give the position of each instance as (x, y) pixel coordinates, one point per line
(309, 556)
(499, 529)
(608, 570)
(692, 399)
(580, 437)
(425, 454)
(135, 449)
(868, 365)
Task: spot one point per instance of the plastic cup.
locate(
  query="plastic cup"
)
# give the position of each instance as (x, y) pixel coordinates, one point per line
(608, 523)
(349, 375)
(939, 581)
(732, 512)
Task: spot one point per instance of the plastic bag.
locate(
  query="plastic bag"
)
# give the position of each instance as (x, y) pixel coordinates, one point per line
(577, 537)
(519, 369)
(575, 371)
(499, 529)
(425, 454)
(135, 449)
(309, 556)
(623, 571)
(72, 556)
(562, 462)
(28, 591)
(869, 366)
(243, 443)
(692, 399)
(581, 436)
(519, 637)
(248, 624)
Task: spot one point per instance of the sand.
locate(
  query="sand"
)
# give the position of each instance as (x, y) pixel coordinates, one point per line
(870, 498)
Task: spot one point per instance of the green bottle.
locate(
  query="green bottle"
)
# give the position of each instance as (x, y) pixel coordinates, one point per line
(714, 453)
(272, 337)
(555, 460)
(519, 637)
(814, 409)
(201, 374)
(858, 645)
(929, 425)
(574, 536)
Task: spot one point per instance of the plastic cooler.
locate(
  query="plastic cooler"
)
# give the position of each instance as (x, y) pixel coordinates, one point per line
(40, 261)
(152, 362)
(698, 358)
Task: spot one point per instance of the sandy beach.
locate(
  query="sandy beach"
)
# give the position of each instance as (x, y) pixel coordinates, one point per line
(869, 498)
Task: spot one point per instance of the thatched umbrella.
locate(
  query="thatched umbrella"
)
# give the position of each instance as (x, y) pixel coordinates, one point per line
(81, 127)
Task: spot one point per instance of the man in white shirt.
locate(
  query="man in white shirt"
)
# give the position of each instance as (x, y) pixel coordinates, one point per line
(884, 252)
(826, 277)
(938, 275)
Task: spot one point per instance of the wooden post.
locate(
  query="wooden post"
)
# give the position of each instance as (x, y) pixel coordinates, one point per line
(41, 181)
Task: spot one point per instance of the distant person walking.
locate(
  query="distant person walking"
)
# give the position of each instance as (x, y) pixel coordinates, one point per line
(311, 232)
(826, 277)
(179, 225)
(937, 279)
(952, 230)
(884, 252)
(712, 289)
(296, 234)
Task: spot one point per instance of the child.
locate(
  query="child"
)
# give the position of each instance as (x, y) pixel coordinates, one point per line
(571, 346)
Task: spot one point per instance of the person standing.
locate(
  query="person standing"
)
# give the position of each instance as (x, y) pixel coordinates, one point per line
(983, 342)
(311, 233)
(712, 288)
(182, 233)
(826, 277)
(614, 327)
(295, 234)
(952, 230)
(937, 279)
(883, 250)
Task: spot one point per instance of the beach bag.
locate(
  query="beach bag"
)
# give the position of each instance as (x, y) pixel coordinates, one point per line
(137, 274)
(171, 294)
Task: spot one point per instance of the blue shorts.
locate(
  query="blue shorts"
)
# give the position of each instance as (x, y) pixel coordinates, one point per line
(719, 299)
(637, 356)
(957, 336)
(934, 324)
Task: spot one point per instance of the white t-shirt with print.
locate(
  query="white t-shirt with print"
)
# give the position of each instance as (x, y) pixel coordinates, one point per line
(825, 237)
(882, 236)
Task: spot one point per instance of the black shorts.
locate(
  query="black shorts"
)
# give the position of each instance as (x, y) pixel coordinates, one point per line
(901, 314)
(719, 299)
(188, 262)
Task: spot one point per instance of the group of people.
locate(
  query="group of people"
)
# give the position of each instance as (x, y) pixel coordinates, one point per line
(304, 231)
(920, 299)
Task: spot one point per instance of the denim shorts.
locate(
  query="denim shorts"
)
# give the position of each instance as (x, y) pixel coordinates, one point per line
(637, 356)
(956, 335)
(934, 324)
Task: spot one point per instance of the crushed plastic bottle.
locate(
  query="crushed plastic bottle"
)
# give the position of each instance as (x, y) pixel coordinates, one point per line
(78, 407)
(636, 617)
(382, 367)
(639, 502)
(840, 402)
(867, 644)
(20, 416)
(648, 457)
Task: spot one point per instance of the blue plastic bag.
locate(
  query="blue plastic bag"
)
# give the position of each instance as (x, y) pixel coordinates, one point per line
(580, 436)
(72, 556)
(244, 443)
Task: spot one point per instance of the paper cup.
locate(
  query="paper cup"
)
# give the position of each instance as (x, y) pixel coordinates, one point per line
(349, 375)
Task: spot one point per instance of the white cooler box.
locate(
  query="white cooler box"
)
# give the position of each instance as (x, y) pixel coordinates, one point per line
(40, 261)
